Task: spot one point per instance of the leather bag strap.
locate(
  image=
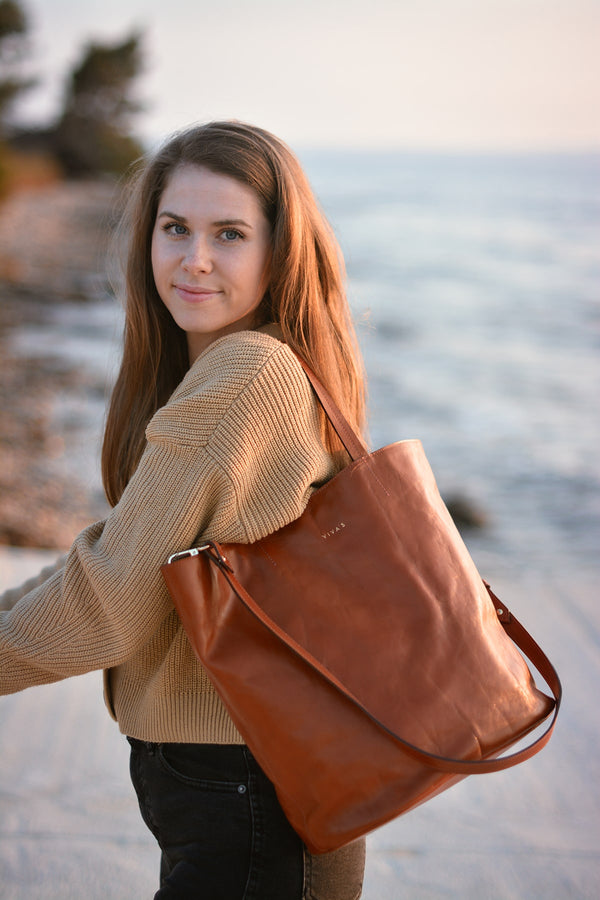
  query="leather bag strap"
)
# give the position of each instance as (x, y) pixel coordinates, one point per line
(518, 634)
(347, 436)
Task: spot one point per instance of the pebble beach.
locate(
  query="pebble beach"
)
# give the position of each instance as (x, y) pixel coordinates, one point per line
(69, 824)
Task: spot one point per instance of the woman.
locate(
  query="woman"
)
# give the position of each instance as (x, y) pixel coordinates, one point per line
(212, 432)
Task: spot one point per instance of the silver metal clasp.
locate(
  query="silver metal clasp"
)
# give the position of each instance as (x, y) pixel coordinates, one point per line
(193, 551)
(214, 554)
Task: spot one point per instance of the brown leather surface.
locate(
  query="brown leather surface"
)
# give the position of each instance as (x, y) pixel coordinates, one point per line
(359, 653)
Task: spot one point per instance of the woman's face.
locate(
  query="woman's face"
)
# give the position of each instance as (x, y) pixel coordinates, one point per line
(211, 254)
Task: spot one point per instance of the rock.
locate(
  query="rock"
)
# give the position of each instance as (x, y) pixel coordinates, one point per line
(465, 513)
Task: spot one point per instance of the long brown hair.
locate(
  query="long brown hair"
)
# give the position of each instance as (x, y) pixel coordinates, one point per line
(305, 297)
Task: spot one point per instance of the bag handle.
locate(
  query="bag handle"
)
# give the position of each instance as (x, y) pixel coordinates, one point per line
(347, 436)
(513, 628)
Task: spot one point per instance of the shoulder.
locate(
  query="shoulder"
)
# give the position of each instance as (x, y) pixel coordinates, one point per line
(247, 371)
(237, 359)
(239, 363)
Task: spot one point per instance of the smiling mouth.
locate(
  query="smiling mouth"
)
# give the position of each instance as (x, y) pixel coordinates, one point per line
(194, 294)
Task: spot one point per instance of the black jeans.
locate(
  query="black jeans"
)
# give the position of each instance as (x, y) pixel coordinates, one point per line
(218, 822)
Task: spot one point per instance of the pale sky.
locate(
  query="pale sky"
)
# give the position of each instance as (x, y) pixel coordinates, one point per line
(417, 74)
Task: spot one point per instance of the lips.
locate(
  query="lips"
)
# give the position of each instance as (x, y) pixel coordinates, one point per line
(194, 294)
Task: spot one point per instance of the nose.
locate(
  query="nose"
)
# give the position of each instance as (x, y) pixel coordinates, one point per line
(198, 257)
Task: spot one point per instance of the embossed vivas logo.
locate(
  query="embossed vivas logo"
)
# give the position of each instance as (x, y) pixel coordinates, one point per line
(333, 531)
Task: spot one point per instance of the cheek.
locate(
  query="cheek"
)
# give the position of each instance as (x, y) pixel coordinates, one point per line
(259, 280)
(261, 271)
(159, 261)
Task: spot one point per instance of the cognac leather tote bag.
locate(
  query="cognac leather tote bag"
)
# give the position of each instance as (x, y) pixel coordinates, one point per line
(359, 652)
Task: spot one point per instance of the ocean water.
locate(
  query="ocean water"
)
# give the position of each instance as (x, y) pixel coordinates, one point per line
(475, 282)
(475, 285)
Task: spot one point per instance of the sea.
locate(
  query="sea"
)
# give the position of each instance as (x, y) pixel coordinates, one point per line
(475, 282)
(475, 286)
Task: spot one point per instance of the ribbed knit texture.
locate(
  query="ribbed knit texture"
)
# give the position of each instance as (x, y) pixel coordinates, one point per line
(234, 455)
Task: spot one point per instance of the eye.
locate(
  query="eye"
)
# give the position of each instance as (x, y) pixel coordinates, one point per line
(231, 234)
(175, 228)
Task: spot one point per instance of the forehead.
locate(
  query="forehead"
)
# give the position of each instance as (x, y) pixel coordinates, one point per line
(195, 188)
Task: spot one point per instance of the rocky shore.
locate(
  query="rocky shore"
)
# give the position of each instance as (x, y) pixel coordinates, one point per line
(53, 249)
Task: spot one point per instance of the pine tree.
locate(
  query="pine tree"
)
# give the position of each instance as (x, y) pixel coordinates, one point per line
(93, 133)
(13, 29)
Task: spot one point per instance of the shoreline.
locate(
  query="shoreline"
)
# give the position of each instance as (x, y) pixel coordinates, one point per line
(45, 499)
(48, 494)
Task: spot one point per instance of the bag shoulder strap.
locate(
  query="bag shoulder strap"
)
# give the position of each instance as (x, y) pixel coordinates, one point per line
(347, 436)
(518, 634)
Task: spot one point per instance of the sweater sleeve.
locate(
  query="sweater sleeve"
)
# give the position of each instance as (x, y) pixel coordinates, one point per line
(9, 597)
(233, 456)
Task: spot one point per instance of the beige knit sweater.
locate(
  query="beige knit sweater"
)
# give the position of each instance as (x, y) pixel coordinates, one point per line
(233, 455)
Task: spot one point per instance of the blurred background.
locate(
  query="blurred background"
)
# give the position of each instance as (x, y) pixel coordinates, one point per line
(455, 147)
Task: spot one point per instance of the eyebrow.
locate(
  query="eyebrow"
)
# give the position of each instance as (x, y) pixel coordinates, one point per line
(165, 213)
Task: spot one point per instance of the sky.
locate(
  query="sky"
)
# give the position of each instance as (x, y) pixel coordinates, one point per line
(494, 75)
